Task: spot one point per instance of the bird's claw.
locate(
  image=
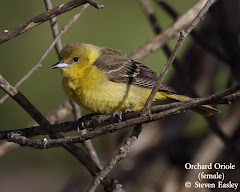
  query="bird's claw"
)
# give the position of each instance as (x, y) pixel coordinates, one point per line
(118, 116)
(80, 124)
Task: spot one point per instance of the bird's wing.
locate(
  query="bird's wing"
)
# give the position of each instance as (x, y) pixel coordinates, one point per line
(118, 68)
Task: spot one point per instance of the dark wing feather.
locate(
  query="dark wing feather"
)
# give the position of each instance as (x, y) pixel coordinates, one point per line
(119, 68)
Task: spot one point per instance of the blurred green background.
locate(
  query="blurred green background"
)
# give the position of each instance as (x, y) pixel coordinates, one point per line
(120, 25)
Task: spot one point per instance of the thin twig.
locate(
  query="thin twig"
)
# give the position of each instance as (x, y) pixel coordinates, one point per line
(167, 8)
(60, 113)
(54, 117)
(7, 147)
(183, 35)
(179, 44)
(88, 143)
(159, 40)
(9, 34)
(53, 22)
(123, 151)
(39, 63)
(150, 14)
(76, 110)
(204, 42)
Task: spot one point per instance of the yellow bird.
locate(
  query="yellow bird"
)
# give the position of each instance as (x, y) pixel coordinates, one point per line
(105, 81)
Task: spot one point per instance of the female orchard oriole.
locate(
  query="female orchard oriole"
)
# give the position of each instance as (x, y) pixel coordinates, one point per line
(104, 80)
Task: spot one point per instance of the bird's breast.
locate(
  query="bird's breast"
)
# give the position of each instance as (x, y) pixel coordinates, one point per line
(94, 91)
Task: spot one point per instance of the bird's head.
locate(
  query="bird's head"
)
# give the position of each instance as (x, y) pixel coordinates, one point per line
(76, 55)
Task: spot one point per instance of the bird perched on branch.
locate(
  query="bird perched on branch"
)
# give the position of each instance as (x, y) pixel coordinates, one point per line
(104, 80)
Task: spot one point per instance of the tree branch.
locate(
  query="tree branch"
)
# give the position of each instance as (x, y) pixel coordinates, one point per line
(79, 153)
(183, 36)
(159, 40)
(123, 151)
(54, 26)
(88, 143)
(54, 117)
(39, 63)
(7, 147)
(136, 119)
(105, 121)
(9, 34)
(149, 12)
(205, 43)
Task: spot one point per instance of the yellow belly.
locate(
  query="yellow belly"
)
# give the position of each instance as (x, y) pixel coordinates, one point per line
(105, 96)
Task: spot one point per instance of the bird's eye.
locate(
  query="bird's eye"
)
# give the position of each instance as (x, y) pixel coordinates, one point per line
(75, 59)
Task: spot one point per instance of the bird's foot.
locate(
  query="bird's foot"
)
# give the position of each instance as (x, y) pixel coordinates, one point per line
(80, 123)
(118, 116)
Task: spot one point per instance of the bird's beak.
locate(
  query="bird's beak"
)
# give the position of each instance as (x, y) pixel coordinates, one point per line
(59, 64)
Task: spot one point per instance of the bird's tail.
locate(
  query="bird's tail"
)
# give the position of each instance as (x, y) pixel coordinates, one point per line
(206, 110)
